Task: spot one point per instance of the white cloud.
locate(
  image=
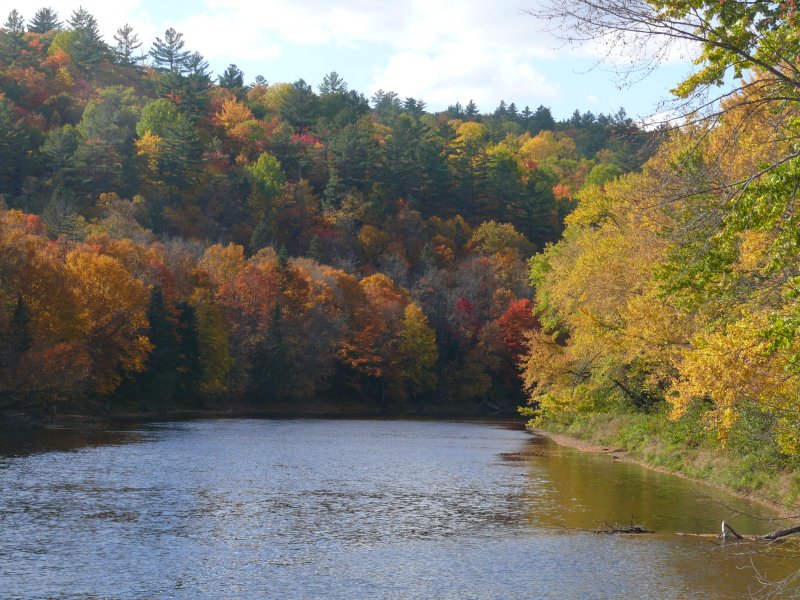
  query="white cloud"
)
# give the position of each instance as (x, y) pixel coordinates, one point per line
(436, 50)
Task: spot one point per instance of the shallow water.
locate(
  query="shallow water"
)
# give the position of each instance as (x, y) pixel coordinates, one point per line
(352, 509)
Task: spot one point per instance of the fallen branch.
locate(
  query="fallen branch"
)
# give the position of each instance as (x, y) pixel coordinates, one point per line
(775, 535)
(727, 529)
(606, 528)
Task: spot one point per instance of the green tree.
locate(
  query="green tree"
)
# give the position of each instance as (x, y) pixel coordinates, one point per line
(15, 23)
(86, 46)
(175, 153)
(232, 78)
(299, 106)
(418, 350)
(168, 54)
(266, 178)
(127, 44)
(12, 37)
(44, 21)
(14, 145)
(18, 339)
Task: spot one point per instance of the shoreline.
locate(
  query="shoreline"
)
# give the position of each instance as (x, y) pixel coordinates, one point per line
(782, 512)
(87, 421)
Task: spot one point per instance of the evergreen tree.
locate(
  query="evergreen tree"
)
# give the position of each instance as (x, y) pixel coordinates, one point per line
(14, 23)
(455, 111)
(86, 47)
(300, 106)
(541, 120)
(12, 38)
(195, 86)
(14, 144)
(190, 372)
(44, 21)
(471, 110)
(168, 54)
(232, 78)
(18, 339)
(157, 384)
(332, 84)
(127, 43)
(387, 105)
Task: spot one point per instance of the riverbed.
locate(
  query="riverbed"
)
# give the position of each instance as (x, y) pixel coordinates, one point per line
(355, 509)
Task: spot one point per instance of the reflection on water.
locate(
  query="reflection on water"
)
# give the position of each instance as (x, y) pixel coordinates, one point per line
(579, 490)
(347, 509)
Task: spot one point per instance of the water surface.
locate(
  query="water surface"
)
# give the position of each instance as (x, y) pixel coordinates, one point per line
(351, 509)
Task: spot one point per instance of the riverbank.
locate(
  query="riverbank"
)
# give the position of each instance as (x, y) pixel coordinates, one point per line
(635, 439)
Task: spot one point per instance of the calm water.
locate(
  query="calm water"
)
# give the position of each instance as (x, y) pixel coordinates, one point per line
(350, 509)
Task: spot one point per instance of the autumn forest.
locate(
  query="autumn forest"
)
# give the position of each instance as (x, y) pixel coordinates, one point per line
(172, 240)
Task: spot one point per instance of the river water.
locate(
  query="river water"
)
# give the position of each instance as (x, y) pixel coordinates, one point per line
(353, 509)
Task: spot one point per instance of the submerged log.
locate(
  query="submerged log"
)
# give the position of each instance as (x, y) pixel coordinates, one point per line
(775, 535)
(616, 529)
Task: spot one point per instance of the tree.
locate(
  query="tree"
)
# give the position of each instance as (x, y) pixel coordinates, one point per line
(15, 23)
(418, 351)
(332, 84)
(232, 78)
(266, 178)
(168, 54)
(299, 106)
(86, 46)
(193, 88)
(14, 143)
(17, 340)
(115, 305)
(12, 37)
(214, 344)
(44, 21)
(169, 143)
(127, 43)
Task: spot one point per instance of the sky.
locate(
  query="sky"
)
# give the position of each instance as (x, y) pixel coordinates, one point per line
(440, 51)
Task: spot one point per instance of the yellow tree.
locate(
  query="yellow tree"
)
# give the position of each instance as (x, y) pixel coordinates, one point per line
(114, 317)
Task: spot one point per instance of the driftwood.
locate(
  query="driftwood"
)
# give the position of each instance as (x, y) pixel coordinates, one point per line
(775, 535)
(606, 528)
(728, 530)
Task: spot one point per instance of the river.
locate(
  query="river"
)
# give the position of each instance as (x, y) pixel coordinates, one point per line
(353, 509)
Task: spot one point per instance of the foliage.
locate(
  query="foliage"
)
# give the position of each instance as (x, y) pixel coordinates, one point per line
(122, 175)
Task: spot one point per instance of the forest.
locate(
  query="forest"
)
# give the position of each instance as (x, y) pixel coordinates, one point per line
(672, 298)
(171, 239)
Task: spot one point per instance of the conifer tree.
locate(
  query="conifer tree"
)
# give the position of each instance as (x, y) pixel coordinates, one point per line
(86, 47)
(168, 54)
(44, 21)
(127, 43)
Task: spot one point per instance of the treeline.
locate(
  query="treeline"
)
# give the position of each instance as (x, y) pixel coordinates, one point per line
(167, 237)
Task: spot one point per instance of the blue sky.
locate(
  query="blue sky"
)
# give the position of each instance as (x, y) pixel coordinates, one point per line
(440, 51)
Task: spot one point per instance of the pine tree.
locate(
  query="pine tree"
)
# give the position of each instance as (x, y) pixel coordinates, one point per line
(87, 47)
(168, 54)
(44, 21)
(12, 42)
(127, 43)
(332, 84)
(232, 78)
(18, 339)
(14, 23)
